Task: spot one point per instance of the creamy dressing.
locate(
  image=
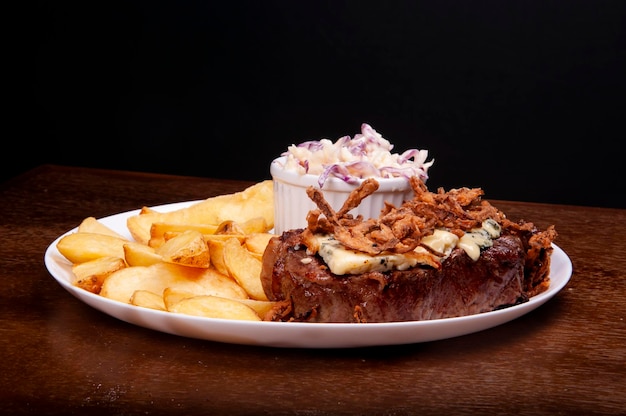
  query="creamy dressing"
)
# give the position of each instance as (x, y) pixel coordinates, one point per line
(367, 155)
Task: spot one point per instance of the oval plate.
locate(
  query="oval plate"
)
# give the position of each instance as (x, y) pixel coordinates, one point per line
(295, 334)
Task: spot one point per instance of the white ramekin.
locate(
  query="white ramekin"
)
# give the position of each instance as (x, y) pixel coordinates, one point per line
(292, 204)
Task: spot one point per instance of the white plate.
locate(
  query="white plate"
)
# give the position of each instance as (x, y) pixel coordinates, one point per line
(292, 334)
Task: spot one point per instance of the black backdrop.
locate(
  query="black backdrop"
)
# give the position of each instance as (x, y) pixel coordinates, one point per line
(522, 98)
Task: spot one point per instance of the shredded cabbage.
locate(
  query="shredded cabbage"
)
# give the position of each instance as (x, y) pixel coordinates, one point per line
(366, 155)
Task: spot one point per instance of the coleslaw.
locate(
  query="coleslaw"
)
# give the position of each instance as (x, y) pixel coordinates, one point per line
(366, 155)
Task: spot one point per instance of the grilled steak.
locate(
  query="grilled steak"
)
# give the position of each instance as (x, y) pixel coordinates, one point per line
(309, 292)
(494, 262)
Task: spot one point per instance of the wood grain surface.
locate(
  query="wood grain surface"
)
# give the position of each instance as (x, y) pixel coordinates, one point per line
(60, 356)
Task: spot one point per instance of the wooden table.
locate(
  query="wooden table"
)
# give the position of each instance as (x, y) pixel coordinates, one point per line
(60, 356)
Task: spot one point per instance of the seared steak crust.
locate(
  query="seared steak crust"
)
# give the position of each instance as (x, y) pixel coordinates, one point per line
(307, 291)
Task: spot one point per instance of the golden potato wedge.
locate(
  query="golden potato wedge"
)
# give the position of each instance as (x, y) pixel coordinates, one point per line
(188, 248)
(215, 307)
(261, 307)
(173, 295)
(223, 237)
(122, 284)
(254, 201)
(257, 256)
(137, 254)
(82, 247)
(89, 275)
(244, 268)
(229, 227)
(219, 284)
(92, 225)
(201, 281)
(257, 242)
(147, 299)
(255, 225)
(168, 236)
(216, 252)
(171, 234)
(158, 230)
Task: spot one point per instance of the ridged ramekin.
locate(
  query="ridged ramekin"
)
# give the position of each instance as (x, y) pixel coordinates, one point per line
(292, 204)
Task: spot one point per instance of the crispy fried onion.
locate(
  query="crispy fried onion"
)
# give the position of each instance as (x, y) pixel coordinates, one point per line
(399, 229)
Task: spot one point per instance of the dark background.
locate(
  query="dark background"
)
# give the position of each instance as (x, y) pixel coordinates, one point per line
(525, 99)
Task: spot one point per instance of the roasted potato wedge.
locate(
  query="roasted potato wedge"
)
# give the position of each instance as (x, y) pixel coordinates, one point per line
(121, 284)
(215, 307)
(89, 275)
(158, 230)
(187, 248)
(228, 227)
(207, 281)
(173, 295)
(147, 299)
(257, 242)
(244, 268)
(255, 225)
(216, 252)
(261, 307)
(82, 247)
(137, 254)
(92, 225)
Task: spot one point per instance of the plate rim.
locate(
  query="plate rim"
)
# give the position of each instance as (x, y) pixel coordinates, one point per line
(293, 334)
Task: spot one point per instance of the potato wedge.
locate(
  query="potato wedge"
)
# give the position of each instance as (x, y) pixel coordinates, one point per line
(229, 227)
(89, 275)
(137, 254)
(219, 284)
(261, 307)
(252, 225)
(255, 225)
(158, 230)
(147, 299)
(173, 295)
(254, 201)
(168, 236)
(216, 252)
(244, 268)
(202, 281)
(188, 248)
(215, 307)
(257, 256)
(82, 247)
(92, 225)
(122, 284)
(223, 237)
(257, 242)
